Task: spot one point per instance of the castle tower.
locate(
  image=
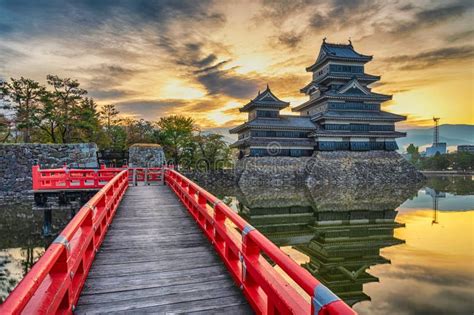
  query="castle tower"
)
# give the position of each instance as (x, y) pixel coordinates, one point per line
(342, 105)
(269, 133)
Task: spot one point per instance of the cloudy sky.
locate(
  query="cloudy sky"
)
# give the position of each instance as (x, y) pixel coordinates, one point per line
(207, 58)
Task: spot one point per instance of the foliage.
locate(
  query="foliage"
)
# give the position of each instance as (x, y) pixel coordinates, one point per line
(61, 112)
(176, 133)
(213, 151)
(23, 97)
(5, 128)
(455, 161)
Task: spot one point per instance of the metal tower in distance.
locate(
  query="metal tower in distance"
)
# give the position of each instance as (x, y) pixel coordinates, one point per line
(436, 131)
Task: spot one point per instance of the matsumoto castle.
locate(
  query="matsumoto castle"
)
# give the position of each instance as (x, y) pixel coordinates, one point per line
(342, 112)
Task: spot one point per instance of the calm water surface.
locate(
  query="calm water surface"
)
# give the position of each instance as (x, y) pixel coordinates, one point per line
(384, 250)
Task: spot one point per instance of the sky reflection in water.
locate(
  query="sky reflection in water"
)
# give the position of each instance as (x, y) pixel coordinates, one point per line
(424, 267)
(421, 261)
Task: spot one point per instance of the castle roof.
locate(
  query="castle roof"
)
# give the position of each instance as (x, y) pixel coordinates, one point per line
(362, 77)
(341, 52)
(265, 99)
(284, 122)
(358, 115)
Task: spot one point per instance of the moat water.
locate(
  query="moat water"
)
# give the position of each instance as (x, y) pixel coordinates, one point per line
(384, 250)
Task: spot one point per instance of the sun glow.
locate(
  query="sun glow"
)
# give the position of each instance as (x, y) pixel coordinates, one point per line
(176, 89)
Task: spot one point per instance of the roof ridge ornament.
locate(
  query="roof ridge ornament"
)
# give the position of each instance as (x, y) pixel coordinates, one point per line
(350, 42)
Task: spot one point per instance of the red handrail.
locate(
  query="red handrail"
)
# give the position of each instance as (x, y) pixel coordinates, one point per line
(266, 289)
(55, 282)
(65, 178)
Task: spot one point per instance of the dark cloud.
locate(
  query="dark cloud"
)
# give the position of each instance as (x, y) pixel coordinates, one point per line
(105, 79)
(425, 18)
(460, 36)
(73, 16)
(217, 66)
(280, 10)
(344, 13)
(206, 61)
(433, 57)
(227, 82)
(207, 70)
(290, 39)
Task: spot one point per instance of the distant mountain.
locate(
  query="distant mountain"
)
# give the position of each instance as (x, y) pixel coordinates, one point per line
(453, 135)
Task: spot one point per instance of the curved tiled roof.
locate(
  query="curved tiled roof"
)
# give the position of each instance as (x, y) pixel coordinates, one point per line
(265, 99)
(358, 115)
(284, 122)
(331, 51)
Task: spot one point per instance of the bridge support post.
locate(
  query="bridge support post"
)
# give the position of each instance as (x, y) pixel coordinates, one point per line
(47, 222)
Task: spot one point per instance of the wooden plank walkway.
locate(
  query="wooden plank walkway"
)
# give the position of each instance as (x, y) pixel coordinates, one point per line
(155, 259)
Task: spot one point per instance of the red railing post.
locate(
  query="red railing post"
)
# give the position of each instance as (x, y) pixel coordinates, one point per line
(35, 176)
(267, 291)
(54, 283)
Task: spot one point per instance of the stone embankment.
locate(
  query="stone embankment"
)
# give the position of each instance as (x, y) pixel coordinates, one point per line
(16, 161)
(323, 169)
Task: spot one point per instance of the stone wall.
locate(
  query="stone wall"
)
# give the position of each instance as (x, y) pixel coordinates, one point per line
(146, 155)
(16, 161)
(323, 169)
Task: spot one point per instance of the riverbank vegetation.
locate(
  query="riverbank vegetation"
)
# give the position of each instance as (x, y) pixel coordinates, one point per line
(458, 161)
(62, 112)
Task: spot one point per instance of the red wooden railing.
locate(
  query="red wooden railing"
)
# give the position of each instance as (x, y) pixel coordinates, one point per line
(55, 282)
(244, 251)
(66, 178)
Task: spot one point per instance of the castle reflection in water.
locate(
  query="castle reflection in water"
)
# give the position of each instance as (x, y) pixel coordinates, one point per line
(336, 234)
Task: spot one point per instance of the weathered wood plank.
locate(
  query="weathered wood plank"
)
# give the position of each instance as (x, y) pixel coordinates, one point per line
(156, 259)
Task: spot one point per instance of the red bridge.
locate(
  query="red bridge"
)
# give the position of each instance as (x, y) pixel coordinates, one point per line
(139, 249)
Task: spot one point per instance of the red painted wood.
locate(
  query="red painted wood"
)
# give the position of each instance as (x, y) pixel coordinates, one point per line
(267, 290)
(54, 283)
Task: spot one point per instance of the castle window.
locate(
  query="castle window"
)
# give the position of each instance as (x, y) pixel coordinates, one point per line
(267, 113)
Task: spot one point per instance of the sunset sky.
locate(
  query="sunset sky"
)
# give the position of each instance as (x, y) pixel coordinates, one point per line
(205, 59)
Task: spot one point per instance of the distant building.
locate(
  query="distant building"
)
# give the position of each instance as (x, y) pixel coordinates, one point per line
(439, 147)
(342, 112)
(466, 148)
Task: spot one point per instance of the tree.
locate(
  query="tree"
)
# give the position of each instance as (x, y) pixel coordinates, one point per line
(412, 149)
(414, 153)
(140, 131)
(5, 128)
(23, 97)
(175, 134)
(66, 96)
(48, 118)
(213, 150)
(463, 161)
(109, 115)
(87, 120)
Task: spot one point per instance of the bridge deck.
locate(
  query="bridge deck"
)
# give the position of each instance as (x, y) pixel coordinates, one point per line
(155, 259)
